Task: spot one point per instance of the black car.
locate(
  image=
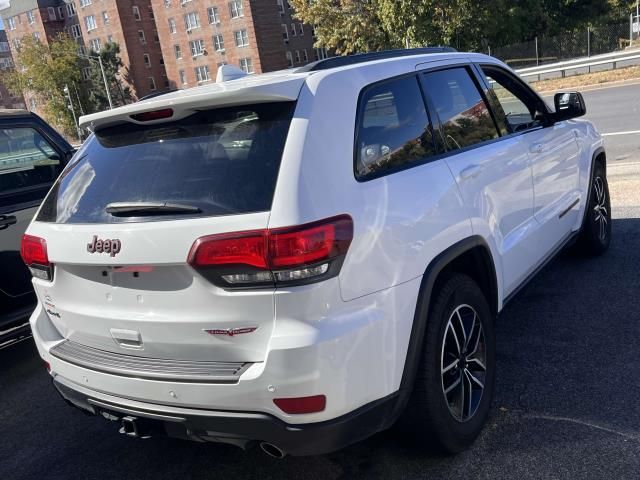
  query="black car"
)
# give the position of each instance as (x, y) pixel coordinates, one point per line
(32, 155)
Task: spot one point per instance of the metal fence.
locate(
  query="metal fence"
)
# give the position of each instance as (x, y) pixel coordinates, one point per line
(543, 50)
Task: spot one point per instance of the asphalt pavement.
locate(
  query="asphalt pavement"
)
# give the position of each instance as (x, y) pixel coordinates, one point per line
(566, 402)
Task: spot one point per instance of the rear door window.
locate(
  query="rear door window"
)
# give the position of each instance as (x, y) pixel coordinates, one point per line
(394, 130)
(27, 160)
(215, 162)
(463, 113)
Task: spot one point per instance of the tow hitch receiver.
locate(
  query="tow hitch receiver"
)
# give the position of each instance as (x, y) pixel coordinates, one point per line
(131, 427)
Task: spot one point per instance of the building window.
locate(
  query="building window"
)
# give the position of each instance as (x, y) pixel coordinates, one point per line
(105, 18)
(71, 9)
(293, 29)
(297, 56)
(142, 38)
(183, 77)
(152, 83)
(280, 7)
(85, 3)
(246, 65)
(36, 35)
(285, 32)
(214, 16)
(289, 59)
(321, 53)
(76, 32)
(86, 73)
(182, 2)
(90, 22)
(61, 13)
(156, 38)
(147, 60)
(94, 44)
(16, 43)
(300, 29)
(172, 26)
(110, 39)
(241, 38)
(136, 13)
(4, 46)
(218, 43)
(167, 3)
(151, 15)
(202, 73)
(191, 21)
(178, 51)
(236, 9)
(12, 23)
(31, 17)
(196, 47)
(52, 13)
(305, 56)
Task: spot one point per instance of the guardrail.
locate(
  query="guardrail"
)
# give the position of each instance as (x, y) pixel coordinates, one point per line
(580, 63)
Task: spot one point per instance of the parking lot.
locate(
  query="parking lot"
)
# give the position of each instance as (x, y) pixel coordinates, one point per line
(566, 402)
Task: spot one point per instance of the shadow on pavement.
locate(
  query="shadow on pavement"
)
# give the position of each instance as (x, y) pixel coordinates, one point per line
(566, 404)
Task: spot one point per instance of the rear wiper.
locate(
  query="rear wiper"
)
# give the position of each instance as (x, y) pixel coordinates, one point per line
(132, 209)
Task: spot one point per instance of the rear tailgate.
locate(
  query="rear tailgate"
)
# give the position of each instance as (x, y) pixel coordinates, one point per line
(121, 279)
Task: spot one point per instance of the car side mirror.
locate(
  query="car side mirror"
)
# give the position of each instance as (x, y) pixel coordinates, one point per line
(568, 106)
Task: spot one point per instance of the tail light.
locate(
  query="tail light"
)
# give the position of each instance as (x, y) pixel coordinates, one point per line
(281, 256)
(34, 254)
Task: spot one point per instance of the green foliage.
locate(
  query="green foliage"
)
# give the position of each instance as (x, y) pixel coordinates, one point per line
(43, 72)
(112, 63)
(350, 26)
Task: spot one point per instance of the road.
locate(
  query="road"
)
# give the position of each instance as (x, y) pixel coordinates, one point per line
(566, 401)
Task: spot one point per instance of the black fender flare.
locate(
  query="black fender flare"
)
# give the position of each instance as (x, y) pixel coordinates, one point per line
(420, 319)
(597, 152)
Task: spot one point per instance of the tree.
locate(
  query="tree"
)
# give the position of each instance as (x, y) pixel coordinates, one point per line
(112, 63)
(43, 71)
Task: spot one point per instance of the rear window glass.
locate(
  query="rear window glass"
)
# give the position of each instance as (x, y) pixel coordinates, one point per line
(215, 162)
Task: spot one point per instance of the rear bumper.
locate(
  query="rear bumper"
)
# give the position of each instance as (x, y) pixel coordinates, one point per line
(238, 428)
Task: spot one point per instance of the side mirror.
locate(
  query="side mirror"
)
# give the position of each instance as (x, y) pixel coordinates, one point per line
(568, 106)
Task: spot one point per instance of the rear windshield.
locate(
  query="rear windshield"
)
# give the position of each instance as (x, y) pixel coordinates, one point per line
(215, 162)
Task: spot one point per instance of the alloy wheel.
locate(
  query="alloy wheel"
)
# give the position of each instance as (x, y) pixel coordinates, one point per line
(463, 363)
(600, 212)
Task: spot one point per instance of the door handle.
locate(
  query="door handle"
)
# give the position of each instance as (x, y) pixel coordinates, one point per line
(5, 222)
(537, 148)
(470, 172)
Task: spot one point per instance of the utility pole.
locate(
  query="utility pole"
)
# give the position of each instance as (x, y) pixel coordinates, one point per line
(106, 85)
(73, 112)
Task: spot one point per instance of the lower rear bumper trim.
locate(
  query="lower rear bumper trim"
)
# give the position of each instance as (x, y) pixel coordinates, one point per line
(242, 427)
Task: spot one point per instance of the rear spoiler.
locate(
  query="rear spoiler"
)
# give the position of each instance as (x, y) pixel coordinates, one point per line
(186, 102)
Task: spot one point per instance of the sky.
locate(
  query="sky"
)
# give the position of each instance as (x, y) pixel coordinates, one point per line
(3, 4)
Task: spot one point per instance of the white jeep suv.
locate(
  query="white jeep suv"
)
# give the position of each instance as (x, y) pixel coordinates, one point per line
(302, 258)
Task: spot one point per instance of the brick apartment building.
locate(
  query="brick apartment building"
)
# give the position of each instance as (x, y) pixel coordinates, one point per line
(93, 23)
(197, 36)
(6, 62)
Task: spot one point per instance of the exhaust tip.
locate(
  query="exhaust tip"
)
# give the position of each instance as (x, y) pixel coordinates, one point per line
(272, 450)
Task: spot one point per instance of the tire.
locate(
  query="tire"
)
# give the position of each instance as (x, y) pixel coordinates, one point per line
(436, 418)
(595, 235)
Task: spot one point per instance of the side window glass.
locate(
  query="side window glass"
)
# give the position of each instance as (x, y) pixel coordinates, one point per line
(464, 115)
(513, 110)
(394, 128)
(26, 159)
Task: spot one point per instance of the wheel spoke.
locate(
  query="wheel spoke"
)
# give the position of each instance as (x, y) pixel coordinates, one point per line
(455, 383)
(461, 323)
(450, 366)
(467, 394)
(455, 337)
(474, 379)
(477, 362)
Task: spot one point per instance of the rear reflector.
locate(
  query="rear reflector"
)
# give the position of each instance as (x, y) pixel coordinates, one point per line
(291, 255)
(47, 366)
(299, 405)
(153, 115)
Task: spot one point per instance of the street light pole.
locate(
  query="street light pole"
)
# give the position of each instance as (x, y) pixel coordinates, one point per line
(106, 85)
(104, 76)
(73, 112)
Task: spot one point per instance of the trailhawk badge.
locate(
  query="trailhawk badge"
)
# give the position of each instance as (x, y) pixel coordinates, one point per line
(112, 247)
(230, 332)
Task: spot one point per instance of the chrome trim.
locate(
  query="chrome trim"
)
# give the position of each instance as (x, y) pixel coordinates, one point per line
(148, 368)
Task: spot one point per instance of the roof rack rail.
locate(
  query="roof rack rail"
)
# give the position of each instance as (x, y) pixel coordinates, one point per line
(342, 61)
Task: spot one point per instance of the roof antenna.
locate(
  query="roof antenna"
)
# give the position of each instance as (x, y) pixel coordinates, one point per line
(229, 72)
